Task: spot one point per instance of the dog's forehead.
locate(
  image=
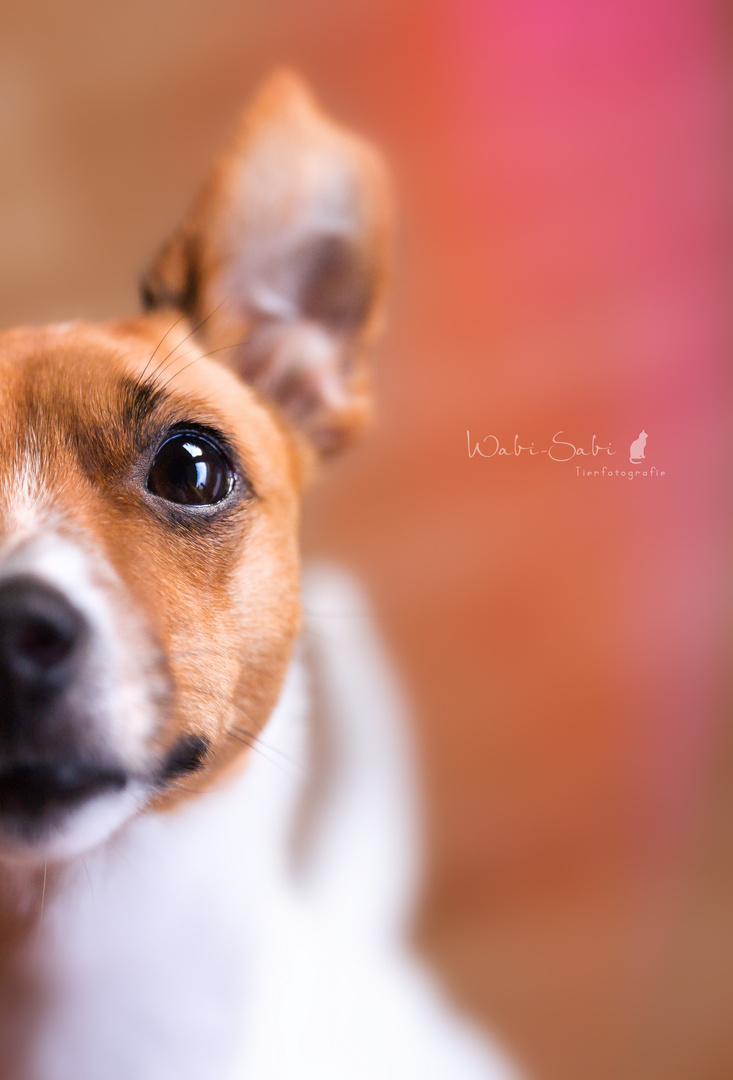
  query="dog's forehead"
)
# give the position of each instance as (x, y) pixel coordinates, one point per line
(46, 375)
(53, 372)
(55, 378)
(67, 386)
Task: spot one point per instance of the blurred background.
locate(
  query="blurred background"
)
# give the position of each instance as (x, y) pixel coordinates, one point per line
(562, 177)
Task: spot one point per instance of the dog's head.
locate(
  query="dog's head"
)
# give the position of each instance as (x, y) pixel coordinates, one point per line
(150, 476)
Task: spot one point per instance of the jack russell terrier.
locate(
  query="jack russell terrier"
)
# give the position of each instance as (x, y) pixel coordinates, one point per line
(206, 843)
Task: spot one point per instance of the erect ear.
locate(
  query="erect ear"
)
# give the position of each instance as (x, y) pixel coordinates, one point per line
(284, 256)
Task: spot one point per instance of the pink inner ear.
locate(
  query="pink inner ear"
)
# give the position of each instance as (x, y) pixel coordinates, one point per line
(338, 283)
(284, 257)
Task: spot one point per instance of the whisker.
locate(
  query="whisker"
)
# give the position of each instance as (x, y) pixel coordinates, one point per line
(267, 746)
(238, 708)
(228, 705)
(258, 748)
(221, 348)
(161, 366)
(152, 355)
(239, 733)
(89, 878)
(247, 733)
(125, 861)
(202, 691)
(43, 899)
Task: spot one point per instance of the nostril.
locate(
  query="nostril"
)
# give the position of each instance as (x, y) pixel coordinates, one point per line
(43, 643)
(40, 633)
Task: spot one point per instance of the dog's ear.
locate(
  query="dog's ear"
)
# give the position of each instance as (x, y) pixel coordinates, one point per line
(284, 256)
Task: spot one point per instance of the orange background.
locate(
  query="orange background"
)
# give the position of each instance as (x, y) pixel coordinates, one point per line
(559, 169)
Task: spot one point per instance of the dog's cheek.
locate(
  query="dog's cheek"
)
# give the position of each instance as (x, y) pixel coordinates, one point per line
(267, 603)
(229, 673)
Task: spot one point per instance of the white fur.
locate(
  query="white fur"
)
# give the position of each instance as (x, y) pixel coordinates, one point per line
(119, 672)
(188, 948)
(119, 684)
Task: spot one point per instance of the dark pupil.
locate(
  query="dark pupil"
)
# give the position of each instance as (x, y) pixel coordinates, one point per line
(189, 469)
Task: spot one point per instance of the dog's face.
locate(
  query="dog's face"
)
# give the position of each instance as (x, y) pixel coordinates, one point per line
(150, 476)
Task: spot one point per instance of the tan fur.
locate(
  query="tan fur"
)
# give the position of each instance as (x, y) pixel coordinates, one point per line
(184, 588)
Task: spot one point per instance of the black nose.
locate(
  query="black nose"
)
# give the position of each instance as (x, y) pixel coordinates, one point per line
(41, 634)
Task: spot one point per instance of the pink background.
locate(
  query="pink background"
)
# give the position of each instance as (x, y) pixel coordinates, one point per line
(564, 248)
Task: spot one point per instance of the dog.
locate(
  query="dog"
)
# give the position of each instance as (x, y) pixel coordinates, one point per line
(207, 838)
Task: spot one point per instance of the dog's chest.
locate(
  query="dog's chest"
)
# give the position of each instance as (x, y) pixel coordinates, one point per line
(154, 945)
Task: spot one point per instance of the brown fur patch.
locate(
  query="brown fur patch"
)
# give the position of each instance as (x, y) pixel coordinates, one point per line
(218, 595)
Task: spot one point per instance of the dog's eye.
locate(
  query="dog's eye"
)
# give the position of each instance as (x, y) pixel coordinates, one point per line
(191, 470)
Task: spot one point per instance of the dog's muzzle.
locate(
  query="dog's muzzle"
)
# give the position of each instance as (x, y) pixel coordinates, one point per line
(48, 758)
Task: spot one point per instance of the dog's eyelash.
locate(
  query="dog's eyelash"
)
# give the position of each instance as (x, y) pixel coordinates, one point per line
(202, 356)
(164, 364)
(141, 376)
(191, 333)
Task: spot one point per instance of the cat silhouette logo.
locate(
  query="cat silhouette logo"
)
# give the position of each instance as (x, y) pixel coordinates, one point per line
(636, 451)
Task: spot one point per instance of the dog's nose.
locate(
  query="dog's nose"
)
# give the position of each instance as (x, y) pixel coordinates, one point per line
(41, 634)
(36, 789)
